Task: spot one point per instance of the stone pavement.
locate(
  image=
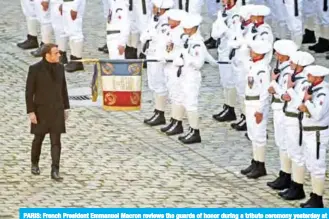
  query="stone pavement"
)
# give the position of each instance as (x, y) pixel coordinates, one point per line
(110, 159)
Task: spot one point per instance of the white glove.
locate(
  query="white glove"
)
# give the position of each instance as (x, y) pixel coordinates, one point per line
(178, 62)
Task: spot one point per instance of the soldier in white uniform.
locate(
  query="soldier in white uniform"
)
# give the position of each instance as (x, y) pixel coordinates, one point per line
(257, 101)
(73, 12)
(297, 84)
(223, 31)
(190, 61)
(278, 87)
(322, 26)
(213, 6)
(118, 28)
(153, 41)
(315, 111)
(43, 15)
(57, 23)
(140, 15)
(32, 22)
(259, 31)
(240, 60)
(174, 48)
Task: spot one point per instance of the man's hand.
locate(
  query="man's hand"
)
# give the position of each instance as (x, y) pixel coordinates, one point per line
(45, 5)
(303, 108)
(271, 90)
(274, 76)
(66, 114)
(259, 117)
(286, 97)
(307, 96)
(33, 118)
(74, 15)
(121, 49)
(61, 9)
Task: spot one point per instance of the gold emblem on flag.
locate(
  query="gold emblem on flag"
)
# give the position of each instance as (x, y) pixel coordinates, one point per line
(110, 98)
(134, 98)
(134, 69)
(107, 68)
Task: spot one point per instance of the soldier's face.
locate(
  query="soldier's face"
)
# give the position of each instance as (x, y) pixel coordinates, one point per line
(310, 78)
(53, 56)
(190, 31)
(281, 58)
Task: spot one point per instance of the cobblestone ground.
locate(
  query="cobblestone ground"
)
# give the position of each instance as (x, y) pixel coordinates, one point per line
(110, 159)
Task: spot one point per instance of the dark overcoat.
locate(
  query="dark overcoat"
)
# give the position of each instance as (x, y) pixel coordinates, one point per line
(46, 95)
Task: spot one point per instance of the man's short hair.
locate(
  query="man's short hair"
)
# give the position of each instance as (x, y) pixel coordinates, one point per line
(46, 48)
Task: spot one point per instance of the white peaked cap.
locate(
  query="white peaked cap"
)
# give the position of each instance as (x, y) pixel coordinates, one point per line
(260, 46)
(191, 20)
(163, 3)
(245, 11)
(302, 58)
(260, 10)
(285, 47)
(176, 14)
(317, 70)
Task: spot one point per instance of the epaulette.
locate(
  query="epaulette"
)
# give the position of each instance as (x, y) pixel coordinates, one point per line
(265, 32)
(261, 72)
(196, 45)
(317, 89)
(305, 81)
(321, 94)
(285, 74)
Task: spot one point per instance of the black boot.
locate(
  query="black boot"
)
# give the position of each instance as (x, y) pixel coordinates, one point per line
(35, 170)
(282, 182)
(101, 49)
(241, 125)
(184, 136)
(63, 59)
(321, 47)
(74, 66)
(193, 137)
(258, 171)
(55, 175)
(210, 43)
(315, 201)
(166, 128)
(37, 53)
(228, 115)
(249, 168)
(30, 43)
(295, 192)
(216, 116)
(149, 119)
(176, 128)
(158, 119)
(309, 37)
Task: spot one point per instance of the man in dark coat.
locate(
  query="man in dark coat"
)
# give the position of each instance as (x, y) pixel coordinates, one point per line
(47, 103)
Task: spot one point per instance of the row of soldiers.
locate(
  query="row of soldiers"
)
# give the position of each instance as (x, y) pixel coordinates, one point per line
(300, 20)
(245, 45)
(295, 89)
